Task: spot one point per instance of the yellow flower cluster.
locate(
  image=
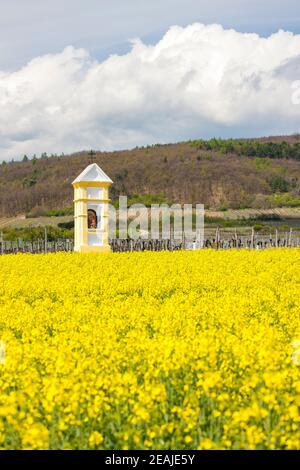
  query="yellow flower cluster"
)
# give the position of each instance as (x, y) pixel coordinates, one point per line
(179, 350)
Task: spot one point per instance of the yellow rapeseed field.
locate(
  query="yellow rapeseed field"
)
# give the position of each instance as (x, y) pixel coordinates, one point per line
(180, 350)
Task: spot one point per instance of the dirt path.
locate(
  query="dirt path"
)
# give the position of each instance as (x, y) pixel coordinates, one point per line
(284, 212)
(6, 222)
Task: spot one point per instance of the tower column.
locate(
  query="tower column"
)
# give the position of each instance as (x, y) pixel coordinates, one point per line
(91, 201)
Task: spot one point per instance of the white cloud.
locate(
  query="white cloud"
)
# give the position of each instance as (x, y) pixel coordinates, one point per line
(198, 81)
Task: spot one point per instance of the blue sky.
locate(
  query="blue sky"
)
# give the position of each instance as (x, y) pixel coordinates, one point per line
(115, 74)
(33, 27)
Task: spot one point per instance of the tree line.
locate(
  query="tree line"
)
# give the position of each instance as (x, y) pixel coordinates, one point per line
(251, 148)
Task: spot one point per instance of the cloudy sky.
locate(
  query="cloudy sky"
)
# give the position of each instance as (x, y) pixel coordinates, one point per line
(115, 74)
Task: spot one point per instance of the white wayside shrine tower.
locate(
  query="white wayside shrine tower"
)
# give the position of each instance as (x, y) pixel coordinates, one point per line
(91, 210)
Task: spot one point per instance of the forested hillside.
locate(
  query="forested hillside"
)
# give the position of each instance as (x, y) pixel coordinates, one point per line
(221, 174)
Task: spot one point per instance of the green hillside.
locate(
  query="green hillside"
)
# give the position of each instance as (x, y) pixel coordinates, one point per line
(232, 174)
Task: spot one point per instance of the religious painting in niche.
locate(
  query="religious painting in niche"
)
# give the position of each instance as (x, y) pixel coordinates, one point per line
(92, 219)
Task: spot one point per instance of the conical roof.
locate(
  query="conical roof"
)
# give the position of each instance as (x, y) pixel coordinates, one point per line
(93, 173)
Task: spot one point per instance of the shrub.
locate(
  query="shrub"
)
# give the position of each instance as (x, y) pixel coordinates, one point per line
(278, 184)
